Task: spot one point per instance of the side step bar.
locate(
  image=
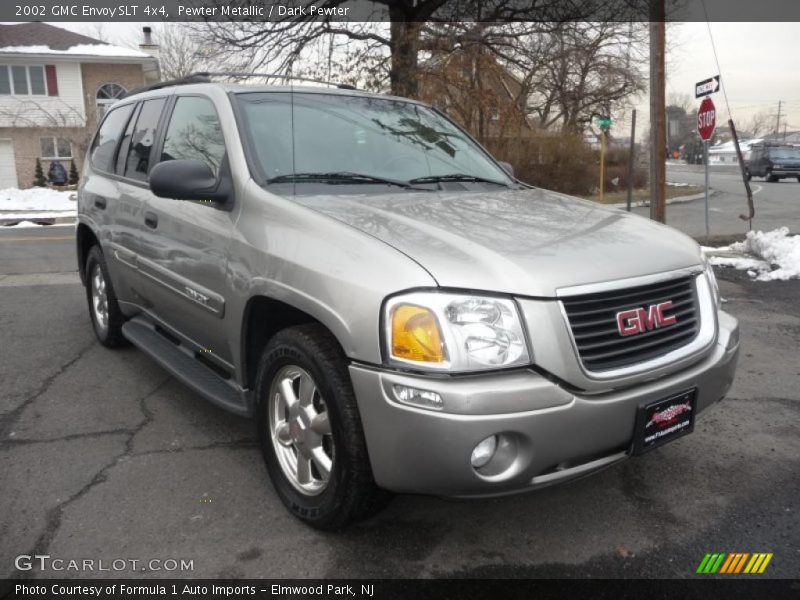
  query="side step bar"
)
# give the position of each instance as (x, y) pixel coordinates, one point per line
(179, 361)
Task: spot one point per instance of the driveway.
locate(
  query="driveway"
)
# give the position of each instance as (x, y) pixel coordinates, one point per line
(104, 456)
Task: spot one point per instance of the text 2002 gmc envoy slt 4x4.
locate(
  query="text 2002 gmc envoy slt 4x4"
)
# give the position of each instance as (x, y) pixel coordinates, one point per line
(395, 310)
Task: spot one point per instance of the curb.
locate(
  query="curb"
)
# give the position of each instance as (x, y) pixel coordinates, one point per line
(6, 221)
(677, 200)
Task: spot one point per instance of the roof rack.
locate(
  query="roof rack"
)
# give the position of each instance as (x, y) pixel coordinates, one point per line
(205, 77)
(193, 78)
(209, 74)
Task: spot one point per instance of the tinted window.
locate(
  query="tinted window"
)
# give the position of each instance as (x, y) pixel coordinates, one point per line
(137, 162)
(105, 144)
(194, 132)
(124, 144)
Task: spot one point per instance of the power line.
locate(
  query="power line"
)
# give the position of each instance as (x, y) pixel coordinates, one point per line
(716, 58)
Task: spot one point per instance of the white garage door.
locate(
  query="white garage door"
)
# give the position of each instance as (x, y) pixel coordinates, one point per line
(8, 169)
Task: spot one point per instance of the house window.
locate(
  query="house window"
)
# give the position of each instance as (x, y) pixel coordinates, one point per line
(21, 80)
(55, 148)
(107, 94)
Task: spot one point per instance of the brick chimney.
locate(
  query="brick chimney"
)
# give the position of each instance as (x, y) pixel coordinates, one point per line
(152, 72)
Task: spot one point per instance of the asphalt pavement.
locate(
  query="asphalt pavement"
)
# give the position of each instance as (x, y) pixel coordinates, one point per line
(776, 204)
(105, 456)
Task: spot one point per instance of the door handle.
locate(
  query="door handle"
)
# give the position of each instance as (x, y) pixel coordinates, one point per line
(151, 219)
(100, 203)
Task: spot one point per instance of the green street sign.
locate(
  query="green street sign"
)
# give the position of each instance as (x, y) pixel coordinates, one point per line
(605, 122)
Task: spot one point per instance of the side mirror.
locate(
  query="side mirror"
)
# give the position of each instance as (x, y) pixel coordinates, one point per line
(506, 167)
(188, 180)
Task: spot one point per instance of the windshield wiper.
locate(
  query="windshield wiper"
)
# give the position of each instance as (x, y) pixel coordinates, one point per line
(342, 177)
(456, 177)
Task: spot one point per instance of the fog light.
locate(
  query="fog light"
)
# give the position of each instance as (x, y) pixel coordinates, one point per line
(484, 452)
(421, 398)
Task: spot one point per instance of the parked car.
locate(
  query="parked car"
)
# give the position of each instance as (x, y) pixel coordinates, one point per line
(393, 308)
(773, 162)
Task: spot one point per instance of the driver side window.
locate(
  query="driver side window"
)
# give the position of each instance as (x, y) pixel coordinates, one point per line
(194, 132)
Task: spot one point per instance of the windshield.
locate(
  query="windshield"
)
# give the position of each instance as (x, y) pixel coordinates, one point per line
(786, 153)
(375, 138)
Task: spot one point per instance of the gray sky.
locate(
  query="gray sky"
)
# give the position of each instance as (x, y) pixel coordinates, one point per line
(758, 63)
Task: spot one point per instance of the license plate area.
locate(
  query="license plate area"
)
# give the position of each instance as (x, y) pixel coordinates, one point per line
(662, 421)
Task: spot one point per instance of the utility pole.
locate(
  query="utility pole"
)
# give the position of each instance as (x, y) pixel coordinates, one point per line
(631, 149)
(658, 138)
(778, 121)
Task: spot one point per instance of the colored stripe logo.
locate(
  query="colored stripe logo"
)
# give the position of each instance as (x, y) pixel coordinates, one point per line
(734, 563)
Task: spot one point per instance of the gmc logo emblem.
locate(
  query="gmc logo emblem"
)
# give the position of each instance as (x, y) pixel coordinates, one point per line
(639, 320)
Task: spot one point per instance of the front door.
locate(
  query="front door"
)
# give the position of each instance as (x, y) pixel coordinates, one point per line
(185, 250)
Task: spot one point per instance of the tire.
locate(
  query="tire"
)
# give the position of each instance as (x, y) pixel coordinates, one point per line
(798, 180)
(747, 175)
(300, 435)
(107, 318)
(770, 177)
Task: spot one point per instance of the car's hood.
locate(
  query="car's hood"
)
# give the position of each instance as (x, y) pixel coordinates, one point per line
(527, 242)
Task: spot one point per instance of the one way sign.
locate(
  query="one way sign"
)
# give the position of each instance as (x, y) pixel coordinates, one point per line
(706, 87)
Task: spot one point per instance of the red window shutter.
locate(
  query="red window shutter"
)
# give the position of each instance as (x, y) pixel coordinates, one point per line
(52, 80)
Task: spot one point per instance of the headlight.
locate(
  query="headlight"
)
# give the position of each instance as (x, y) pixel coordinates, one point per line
(454, 332)
(712, 282)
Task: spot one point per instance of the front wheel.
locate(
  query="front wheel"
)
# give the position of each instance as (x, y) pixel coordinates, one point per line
(770, 177)
(310, 430)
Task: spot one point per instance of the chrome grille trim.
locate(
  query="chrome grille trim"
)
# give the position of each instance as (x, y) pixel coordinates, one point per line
(696, 345)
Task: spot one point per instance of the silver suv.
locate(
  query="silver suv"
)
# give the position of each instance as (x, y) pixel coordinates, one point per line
(392, 307)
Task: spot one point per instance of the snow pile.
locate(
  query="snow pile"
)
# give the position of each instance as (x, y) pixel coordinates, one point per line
(24, 225)
(13, 200)
(78, 50)
(766, 256)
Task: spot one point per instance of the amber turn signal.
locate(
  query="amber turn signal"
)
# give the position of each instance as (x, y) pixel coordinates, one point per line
(416, 335)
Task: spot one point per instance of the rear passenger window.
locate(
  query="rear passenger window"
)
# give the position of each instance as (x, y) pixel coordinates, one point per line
(137, 161)
(194, 132)
(105, 143)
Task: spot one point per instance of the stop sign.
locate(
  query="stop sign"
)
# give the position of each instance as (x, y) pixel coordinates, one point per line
(706, 119)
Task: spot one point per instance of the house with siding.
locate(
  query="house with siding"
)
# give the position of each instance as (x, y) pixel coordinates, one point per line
(54, 87)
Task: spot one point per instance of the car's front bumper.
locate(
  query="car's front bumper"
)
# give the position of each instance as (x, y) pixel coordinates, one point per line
(551, 433)
(785, 172)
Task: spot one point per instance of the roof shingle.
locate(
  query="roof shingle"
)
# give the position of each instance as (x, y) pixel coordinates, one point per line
(38, 34)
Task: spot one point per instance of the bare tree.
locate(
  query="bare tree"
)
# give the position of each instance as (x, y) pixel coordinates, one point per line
(681, 100)
(412, 26)
(758, 124)
(589, 69)
(184, 50)
(60, 118)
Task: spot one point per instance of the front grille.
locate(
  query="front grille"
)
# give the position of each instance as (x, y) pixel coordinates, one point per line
(593, 320)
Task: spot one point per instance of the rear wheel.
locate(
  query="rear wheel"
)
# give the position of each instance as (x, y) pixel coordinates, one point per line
(310, 430)
(747, 175)
(107, 318)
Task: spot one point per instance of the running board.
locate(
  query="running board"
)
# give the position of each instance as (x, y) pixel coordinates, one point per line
(181, 364)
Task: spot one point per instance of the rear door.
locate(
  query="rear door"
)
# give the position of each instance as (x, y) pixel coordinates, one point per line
(131, 166)
(186, 254)
(102, 205)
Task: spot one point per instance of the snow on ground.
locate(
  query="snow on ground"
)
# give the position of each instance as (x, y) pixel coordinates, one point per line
(766, 256)
(13, 201)
(24, 225)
